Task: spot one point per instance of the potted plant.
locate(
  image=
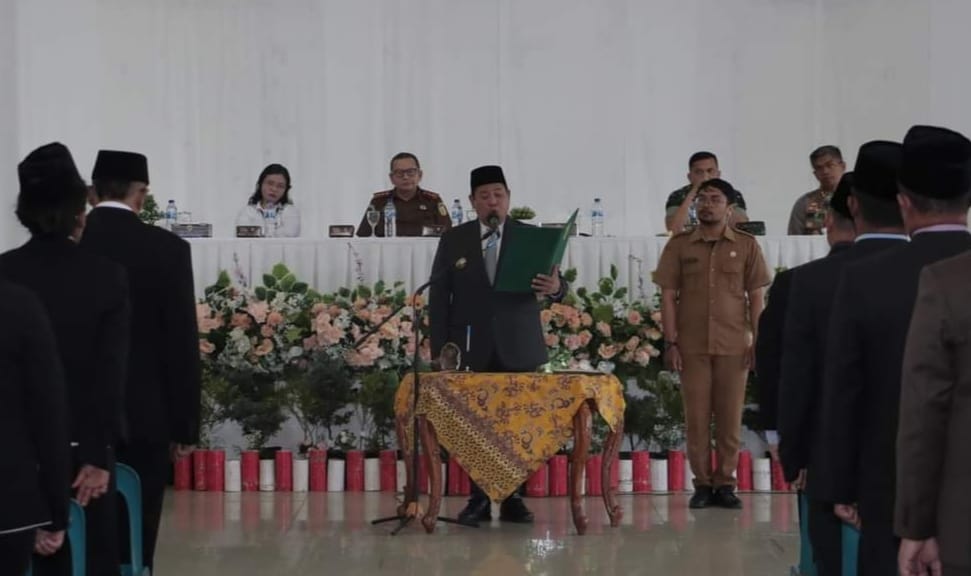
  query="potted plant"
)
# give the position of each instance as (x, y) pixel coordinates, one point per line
(376, 408)
(524, 213)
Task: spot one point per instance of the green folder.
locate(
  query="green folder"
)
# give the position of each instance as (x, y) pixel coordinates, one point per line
(528, 251)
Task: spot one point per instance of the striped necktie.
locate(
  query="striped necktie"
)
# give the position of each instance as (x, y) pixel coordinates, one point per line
(491, 255)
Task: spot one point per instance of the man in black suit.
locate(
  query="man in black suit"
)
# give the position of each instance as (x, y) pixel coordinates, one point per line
(162, 394)
(870, 320)
(35, 480)
(769, 347)
(91, 325)
(496, 331)
(873, 213)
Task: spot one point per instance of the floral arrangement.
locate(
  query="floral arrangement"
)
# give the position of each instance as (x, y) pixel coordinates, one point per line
(522, 213)
(603, 330)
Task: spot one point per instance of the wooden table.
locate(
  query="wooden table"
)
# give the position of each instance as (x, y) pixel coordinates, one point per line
(503, 427)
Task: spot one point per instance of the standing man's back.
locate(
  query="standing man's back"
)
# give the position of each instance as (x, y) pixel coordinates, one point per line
(163, 392)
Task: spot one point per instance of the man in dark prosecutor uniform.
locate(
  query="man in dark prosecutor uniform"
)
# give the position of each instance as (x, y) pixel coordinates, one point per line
(871, 316)
(503, 330)
(86, 297)
(416, 208)
(163, 386)
(875, 217)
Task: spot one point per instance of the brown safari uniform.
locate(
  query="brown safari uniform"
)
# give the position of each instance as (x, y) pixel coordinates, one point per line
(424, 209)
(713, 280)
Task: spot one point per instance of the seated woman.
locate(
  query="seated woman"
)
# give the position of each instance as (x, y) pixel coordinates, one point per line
(270, 206)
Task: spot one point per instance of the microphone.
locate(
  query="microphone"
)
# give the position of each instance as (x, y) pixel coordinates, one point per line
(492, 222)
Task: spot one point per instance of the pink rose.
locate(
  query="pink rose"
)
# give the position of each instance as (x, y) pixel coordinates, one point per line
(274, 318)
(266, 331)
(574, 323)
(656, 317)
(318, 308)
(572, 342)
(604, 329)
(206, 347)
(258, 311)
(545, 316)
(642, 357)
(552, 340)
(632, 343)
(634, 317)
(654, 334)
(241, 321)
(586, 320)
(310, 343)
(265, 347)
(585, 337)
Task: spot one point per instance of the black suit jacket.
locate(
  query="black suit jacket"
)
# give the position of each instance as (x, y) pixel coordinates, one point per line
(768, 348)
(861, 390)
(506, 327)
(162, 395)
(35, 464)
(86, 297)
(806, 325)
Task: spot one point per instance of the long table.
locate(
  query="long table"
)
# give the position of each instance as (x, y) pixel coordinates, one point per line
(329, 263)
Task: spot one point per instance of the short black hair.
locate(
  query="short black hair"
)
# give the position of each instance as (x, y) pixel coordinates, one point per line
(404, 156)
(925, 205)
(269, 171)
(824, 151)
(699, 156)
(49, 217)
(111, 189)
(877, 211)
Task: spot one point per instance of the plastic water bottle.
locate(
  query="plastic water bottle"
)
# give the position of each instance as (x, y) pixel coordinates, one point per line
(269, 222)
(171, 214)
(693, 213)
(597, 218)
(457, 212)
(390, 217)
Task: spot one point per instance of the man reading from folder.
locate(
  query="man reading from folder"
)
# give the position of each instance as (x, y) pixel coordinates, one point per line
(496, 331)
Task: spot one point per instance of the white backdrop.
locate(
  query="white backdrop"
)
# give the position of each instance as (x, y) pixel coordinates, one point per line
(575, 98)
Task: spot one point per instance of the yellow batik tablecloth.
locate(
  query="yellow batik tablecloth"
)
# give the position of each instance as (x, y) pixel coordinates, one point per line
(502, 427)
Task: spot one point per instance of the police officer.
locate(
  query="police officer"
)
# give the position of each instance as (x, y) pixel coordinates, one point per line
(712, 280)
(415, 208)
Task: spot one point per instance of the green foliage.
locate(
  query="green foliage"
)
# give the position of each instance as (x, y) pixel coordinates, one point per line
(256, 403)
(150, 213)
(376, 399)
(321, 397)
(522, 213)
(655, 420)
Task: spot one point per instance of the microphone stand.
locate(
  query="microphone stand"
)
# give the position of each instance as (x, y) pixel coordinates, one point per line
(411, 495)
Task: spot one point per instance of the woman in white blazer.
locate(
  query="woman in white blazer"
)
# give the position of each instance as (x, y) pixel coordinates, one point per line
(270, 206)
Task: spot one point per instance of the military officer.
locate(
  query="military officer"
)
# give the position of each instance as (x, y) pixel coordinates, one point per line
(416, 208)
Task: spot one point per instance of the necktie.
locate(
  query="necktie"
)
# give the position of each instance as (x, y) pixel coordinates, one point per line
(492, 256)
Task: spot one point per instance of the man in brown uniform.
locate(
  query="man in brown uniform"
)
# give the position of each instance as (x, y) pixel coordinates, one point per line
(712, 281)
(416, 208)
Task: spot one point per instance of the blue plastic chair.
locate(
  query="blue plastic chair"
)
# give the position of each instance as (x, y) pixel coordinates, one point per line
(77, 537)
(806, 567)
(130, 488)
(851, 550)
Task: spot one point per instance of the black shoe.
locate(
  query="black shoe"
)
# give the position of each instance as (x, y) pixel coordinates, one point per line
(725, 498)
(513, 510)
(702, 498)
(477, 510)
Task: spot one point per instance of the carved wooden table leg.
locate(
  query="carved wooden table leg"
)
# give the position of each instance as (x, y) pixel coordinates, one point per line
(611, 451)
(429, 442)
(581, 446)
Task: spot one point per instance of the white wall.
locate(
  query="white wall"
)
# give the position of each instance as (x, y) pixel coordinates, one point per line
(575, 98)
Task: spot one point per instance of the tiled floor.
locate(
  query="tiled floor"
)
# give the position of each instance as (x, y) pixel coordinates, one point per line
(330, 533)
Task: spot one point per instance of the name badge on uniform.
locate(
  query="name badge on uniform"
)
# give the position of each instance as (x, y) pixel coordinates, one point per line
(732, 254)
(422, 207)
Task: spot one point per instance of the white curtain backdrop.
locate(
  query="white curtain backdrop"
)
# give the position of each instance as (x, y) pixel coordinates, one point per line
(575, 98)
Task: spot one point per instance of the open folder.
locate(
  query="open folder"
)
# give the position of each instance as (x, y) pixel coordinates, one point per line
(528, 251)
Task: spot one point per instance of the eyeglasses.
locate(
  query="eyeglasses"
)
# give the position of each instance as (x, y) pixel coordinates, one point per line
(710, 200)
(408, 173)
(832, 164)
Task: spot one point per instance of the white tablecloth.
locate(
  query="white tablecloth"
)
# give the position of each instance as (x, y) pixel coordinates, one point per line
(329, 264)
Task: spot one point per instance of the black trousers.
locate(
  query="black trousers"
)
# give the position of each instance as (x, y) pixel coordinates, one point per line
(826, 538)
(101, 524)
(15, 550)
(878, 548)
(152, 463)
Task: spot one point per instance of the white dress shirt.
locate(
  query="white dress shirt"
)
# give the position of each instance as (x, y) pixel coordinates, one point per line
(287, 220)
